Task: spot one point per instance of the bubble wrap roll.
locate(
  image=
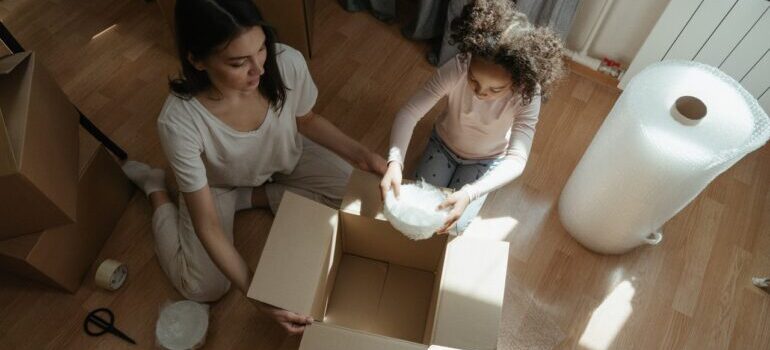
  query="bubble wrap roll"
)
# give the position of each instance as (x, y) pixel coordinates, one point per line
(649, 160)
(182, 325)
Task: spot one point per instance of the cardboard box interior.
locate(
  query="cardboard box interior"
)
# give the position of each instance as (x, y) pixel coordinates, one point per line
(384, 283)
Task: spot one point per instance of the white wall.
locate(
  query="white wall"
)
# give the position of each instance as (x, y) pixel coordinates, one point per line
(627, 25)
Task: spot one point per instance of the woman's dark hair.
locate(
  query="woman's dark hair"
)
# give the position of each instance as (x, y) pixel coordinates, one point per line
(493, 30)
(203, 27)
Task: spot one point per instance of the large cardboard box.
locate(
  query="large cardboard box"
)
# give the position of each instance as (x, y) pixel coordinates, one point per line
(369, 287)
(61, 256)
(292, 19)
(38, 149)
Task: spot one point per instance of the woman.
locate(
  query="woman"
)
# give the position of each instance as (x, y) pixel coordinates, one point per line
(238, 130)
(493, 87)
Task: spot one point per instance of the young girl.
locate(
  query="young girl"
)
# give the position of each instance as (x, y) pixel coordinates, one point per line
(494, 87)
(238, 130)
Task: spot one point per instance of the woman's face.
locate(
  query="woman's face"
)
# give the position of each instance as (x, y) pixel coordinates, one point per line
(488, 80)
(240, 64)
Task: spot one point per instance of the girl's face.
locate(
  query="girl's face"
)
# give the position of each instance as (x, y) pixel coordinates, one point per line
(239, 65)
(488, 80)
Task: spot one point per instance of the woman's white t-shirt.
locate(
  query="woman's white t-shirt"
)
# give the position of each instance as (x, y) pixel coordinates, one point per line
(204, 150)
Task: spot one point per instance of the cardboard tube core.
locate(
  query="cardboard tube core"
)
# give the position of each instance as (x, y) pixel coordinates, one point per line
(690, 107)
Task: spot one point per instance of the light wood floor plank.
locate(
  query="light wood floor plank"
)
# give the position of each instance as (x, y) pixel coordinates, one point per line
(693, 291)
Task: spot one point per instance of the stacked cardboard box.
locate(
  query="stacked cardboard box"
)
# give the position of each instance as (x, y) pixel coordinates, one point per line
(369, 287)
(38, 149)
(59, 201)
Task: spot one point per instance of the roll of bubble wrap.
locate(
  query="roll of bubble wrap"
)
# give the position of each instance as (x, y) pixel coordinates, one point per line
(676, 127)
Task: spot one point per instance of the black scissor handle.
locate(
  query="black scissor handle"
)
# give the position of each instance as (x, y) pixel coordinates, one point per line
(104, 325)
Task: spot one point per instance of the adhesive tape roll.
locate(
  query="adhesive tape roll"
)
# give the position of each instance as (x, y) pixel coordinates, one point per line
(111, 274)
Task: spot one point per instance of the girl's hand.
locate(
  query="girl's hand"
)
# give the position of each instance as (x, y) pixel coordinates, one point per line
(293, 323)
(456, 202)
(392, 179)
(372, 162)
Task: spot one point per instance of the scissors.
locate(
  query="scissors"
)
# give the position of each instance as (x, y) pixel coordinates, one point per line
(103, 325)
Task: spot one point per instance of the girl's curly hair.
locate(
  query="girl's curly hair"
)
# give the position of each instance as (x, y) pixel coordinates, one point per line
(494, 30)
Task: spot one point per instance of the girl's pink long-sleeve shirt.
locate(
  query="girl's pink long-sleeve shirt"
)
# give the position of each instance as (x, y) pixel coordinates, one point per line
(471, 128)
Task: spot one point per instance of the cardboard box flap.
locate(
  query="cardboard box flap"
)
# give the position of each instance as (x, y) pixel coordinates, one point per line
(362, 196)
(8, 63)
(471, 294)
(61, 256)
(38, 149)
(297, 257)
(14, 103)
(19, 247)
(322, 336)
(376, 239)
(7, 156)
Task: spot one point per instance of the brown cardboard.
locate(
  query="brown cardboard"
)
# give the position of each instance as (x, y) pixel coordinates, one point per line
(38, 149)
(61, 256)
(357, 290)
(430, 322)
(377, 239)
(391, 292)
(375, 296)
(321, 336)
(471, 295)
(362, 198)
(301, 238)
(404, 303)
(4, 50)
(292, 19)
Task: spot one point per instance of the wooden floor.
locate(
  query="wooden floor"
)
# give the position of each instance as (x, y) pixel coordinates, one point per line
(693, 291)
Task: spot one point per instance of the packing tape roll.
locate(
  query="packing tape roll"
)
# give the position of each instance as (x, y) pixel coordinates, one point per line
(111, 274)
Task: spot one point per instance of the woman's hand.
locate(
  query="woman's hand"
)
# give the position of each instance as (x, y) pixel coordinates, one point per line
(391, 180)
(293, 323)
(324, 133)
(372, 162)
(456, 203)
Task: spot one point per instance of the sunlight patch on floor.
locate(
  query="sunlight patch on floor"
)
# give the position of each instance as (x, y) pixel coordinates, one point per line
(608, 319)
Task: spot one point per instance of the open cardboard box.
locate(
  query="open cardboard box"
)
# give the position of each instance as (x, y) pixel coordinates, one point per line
(369, 287)
(61, 256)
(38, 149)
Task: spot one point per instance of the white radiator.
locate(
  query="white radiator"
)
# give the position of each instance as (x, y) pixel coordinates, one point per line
(733, 35)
